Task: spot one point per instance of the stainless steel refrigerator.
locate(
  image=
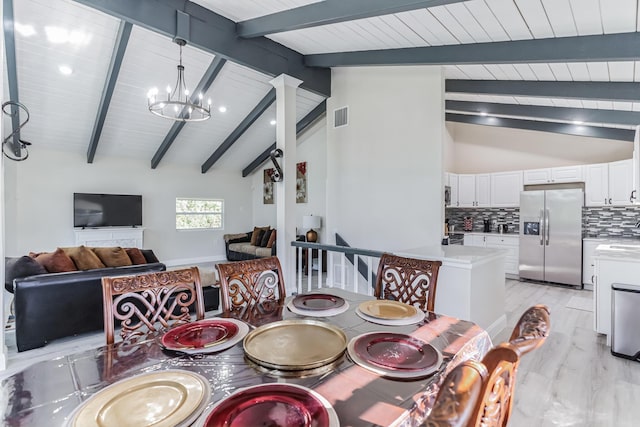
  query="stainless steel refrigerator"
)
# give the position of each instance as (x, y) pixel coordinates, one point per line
(551, 235)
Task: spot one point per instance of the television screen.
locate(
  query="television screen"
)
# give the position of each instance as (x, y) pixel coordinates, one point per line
(106, 210)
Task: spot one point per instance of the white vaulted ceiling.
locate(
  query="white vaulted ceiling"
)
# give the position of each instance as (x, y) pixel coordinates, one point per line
(64, 108)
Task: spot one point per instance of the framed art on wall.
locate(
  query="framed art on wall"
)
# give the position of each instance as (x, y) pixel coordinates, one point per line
(267, 187)
(301, 182)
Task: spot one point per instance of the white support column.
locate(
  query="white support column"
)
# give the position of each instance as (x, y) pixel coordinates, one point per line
(3, 346)
(286, 87)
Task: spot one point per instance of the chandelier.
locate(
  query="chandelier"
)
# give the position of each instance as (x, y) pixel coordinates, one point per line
(177, 105)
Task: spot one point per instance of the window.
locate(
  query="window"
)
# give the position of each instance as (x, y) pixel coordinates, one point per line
(193, 214)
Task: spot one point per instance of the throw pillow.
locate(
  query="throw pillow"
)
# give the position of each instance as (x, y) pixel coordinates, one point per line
(84, 258)
(254, 235)
(136, 256)
(113, 257)
(265, 238)
(272, 239)
(24, 266)
(259, 237)
(149, 255)
(56, 262)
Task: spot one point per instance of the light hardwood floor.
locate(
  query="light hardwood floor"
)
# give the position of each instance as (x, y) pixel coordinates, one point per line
(572, 380)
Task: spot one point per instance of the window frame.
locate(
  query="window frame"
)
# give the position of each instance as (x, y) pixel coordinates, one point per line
(187, 213)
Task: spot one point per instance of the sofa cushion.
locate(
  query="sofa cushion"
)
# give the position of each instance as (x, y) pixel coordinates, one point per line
(265, 238)
(16, 267)
(263, 252)
(272, 239)
(84, 258)
(113, 257)
(254, 235)
(246, 248)
(259, 237)
(56, 262)
(135, 255)
(149, 255)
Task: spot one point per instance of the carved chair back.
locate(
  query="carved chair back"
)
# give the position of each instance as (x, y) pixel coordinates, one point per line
(142, 301)
(252, 290)
(494, 405)
(458, 396)
(408, 280)
(532, 329)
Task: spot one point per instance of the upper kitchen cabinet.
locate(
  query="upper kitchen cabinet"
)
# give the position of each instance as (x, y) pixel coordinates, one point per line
(474, 190)
(620, 182)
(452, 182)
(554, 175)
(505, 189)
(609, 183)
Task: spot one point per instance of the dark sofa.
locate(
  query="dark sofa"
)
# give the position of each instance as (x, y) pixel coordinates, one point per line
(57, 305)
(239, 247)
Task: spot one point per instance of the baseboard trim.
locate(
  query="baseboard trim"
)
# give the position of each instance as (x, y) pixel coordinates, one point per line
(192, 261)
(496, 327)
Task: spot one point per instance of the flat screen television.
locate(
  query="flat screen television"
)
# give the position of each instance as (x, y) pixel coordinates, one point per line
(107, 210)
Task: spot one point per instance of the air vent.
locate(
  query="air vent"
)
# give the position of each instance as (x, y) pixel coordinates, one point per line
(341, 117)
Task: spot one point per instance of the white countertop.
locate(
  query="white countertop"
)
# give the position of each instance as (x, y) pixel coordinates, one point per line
(454, 254)
(618, 251)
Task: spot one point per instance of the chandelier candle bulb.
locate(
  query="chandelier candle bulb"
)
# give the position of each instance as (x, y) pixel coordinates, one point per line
(184, 109)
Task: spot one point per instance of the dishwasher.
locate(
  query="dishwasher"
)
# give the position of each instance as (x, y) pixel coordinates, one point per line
(625, 320)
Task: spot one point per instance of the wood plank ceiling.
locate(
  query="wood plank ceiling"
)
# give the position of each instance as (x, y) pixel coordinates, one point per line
(54, 33)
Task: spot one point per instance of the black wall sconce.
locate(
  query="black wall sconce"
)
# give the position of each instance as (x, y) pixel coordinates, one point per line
(277, 175)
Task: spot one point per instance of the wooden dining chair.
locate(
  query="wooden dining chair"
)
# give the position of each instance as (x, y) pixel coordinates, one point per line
(252, 290)
(458, 396)
(408, 280)
(494, 406)
(141, 302)
(532, 329)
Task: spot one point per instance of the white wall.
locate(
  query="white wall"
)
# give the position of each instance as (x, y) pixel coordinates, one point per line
(480, 149)
(311, 148)
(385, 169)
(39, 198)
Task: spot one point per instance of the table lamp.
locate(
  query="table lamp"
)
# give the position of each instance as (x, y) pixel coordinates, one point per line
(311, 222)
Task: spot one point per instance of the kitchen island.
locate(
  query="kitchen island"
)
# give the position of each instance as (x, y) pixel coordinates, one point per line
(614, 263)
(470, 283)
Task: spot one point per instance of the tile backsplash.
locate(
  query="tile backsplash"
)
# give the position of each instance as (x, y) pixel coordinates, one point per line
(509, 216)
(611, 221)
(601, 221)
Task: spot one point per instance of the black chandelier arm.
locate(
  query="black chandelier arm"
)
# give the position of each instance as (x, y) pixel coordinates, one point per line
(13, 113)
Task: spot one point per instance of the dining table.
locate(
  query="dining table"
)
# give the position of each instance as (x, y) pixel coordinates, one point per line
(46, 393)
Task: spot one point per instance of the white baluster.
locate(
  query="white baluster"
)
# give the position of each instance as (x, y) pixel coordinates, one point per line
(309, 268)
(370, 277)
(320, 268)
(330, 269)
(355, 273)
(299, 251)
(343, 273)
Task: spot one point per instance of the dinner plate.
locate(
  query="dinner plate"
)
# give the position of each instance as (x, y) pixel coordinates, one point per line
(159, 399)
(296, 344)
(205, 336)
(310, 302)
(417, 318)
(275, 404)
(387, 309)
(319, 313)
(394, 355)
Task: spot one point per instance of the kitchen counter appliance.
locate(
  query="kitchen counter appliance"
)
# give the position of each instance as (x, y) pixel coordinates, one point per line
(551, 236)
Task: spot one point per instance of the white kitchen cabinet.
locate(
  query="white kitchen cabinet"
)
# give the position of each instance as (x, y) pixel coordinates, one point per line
(505, 189)
(620, 182)
(613, 265)
(609, 183)
(466, 190)
(596, 187)
(483, 190)
(588, 260)
(537, 176)
(474, 190)
(554, 175)
(453, 184)
(510, 243)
